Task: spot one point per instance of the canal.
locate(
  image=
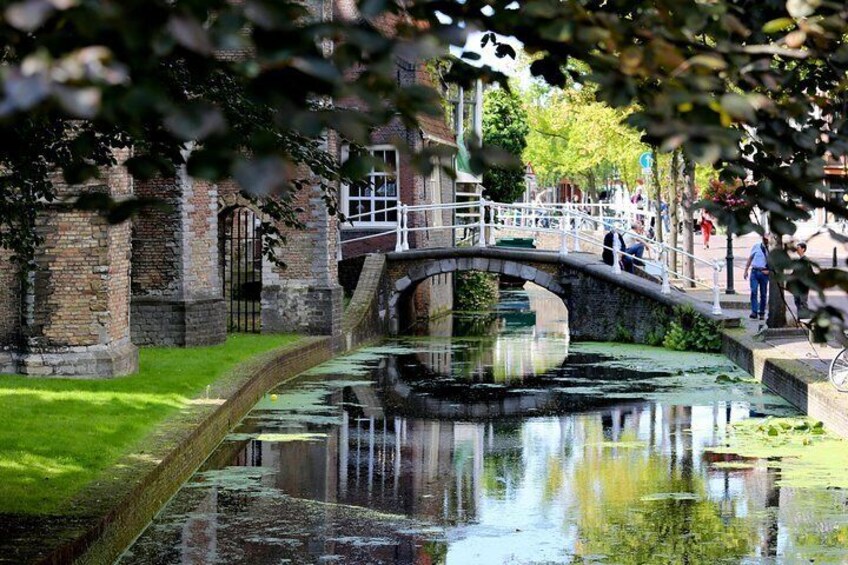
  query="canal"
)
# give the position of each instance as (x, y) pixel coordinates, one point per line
(490, 439)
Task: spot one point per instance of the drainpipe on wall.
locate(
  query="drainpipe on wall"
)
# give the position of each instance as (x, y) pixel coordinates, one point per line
(460, 116)
(478, 112)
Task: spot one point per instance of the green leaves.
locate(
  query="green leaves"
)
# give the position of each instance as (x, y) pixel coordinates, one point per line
(504, 139)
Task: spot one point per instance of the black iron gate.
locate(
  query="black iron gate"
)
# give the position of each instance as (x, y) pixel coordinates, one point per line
(242, 253)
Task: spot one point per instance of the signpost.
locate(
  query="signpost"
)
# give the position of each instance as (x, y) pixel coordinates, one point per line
(646, 161)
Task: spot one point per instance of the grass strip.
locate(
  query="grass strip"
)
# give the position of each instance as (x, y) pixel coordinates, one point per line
(57, 435)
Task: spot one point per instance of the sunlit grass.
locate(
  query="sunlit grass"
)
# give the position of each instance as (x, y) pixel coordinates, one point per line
(56, 435)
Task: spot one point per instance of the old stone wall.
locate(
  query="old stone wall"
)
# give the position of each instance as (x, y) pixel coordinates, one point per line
(176, 280)
(76, 318)
(366, 318)
(602, 305)
(302, 294)
(602, 311)
(10, 301)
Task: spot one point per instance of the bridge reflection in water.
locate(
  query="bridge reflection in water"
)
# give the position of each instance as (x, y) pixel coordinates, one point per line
(496, 445)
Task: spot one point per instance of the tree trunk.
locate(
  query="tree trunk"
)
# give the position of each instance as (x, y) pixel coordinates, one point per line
(688, 202)
(776, 304)
(673, 207)
(657, 195)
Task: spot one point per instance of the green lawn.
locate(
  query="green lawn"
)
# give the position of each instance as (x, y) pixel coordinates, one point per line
(56, 435)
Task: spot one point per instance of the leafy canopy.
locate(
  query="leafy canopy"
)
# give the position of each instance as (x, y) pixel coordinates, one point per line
(505, 128)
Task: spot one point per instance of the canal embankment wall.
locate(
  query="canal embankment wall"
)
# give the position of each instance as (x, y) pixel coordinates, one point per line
(780, 369)
(107, 517)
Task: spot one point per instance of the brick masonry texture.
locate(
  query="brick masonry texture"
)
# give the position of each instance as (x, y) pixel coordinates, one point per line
(176, 276)
(180, 323)
(432, 297)
(78, 308)
(10, 300)
(303, 295)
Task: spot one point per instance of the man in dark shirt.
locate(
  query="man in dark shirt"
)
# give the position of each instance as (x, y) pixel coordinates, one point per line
(801, 296)
(607, 254)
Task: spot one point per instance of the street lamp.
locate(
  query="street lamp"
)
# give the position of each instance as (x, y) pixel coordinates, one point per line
(729, 257)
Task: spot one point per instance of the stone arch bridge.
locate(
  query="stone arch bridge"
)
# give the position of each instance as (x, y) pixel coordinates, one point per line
(601, 304)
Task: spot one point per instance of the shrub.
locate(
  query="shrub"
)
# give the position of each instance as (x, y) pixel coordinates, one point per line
(690, 331)
(475, 291)
(622, 334)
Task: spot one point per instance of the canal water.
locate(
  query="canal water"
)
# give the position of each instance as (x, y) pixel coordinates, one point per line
(492, 440)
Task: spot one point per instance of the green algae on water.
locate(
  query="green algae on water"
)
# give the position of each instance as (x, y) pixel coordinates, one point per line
(621, 444)
(733, 465)
(645, 358)
(278, 437)
(658, 496)
(799, 449)
(359, 363)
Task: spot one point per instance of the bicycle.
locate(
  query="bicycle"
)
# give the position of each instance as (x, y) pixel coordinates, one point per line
(838, 372)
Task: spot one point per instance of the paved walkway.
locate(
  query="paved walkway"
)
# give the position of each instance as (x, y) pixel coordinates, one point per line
(790, 344)
(820, 249)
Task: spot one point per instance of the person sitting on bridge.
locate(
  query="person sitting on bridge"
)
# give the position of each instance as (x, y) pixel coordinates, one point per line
(607, 254)
(635, 247)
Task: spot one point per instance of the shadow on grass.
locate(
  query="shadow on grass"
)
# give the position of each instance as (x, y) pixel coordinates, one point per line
(57, 435)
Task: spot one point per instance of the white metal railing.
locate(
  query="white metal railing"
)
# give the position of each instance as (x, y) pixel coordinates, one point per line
(477, 223)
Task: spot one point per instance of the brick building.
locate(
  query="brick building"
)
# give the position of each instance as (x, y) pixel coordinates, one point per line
(71, 316)
(374, 209)
(187, 273)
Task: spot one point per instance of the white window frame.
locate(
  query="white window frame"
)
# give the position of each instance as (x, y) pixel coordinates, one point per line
(359, 223)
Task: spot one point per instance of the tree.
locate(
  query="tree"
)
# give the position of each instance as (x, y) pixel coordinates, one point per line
(504, 128)
(746, 88)
(248, 85)
(574, 135)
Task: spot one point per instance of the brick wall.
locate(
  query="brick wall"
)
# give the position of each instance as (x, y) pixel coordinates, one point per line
(9, 300)
(82, 262)
(156, 249)
(176, 282)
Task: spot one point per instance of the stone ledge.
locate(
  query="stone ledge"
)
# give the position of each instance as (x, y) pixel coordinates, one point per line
(97, 525)
(116, 359)
(801, 385)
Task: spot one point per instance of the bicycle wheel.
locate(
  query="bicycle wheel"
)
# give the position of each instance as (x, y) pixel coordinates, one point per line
(838, 372)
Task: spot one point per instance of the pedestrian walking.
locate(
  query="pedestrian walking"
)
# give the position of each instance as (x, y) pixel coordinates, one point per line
(801, 295)
(706, 227)
(758, 266)
(665, 217)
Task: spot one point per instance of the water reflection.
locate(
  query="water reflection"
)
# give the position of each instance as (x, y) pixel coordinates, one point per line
(422, 452)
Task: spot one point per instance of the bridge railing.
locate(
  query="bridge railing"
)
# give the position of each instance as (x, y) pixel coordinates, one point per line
(568, 223)
(477, 223)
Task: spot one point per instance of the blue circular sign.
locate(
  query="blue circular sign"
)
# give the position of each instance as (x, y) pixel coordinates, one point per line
(646, 160)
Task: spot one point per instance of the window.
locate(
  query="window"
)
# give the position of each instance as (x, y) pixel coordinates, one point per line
(373, 202)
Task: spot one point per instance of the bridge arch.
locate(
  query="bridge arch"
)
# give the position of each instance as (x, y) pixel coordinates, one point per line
(403, 281)
(602, 305)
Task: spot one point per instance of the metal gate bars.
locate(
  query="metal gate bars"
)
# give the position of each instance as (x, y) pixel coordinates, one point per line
(242, 255)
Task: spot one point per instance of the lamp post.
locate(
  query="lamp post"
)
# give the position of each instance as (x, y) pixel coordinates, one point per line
(729, 257)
